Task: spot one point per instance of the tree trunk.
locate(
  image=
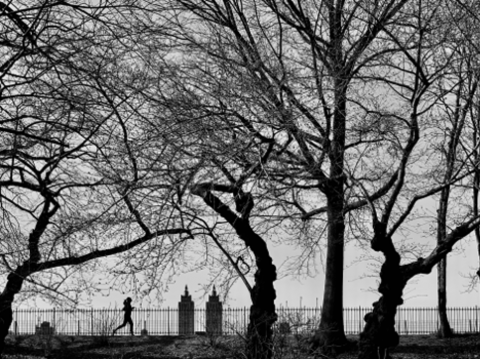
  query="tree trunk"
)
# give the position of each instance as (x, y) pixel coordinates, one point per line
(5, 320)
(331, 333)
(379, 335)
(262, 311)
(13, 286)
(444, 331)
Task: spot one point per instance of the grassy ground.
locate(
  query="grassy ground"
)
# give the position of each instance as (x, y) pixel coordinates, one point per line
(201, 347)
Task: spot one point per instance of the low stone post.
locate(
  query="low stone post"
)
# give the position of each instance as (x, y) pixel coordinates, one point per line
(44, 329)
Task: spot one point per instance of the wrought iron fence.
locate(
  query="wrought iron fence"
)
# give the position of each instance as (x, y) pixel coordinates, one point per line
(165, 321)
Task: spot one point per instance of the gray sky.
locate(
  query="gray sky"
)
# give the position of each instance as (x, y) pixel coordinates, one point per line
(421, 292)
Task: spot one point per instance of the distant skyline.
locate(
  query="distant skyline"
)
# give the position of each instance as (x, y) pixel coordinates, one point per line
(291, 292)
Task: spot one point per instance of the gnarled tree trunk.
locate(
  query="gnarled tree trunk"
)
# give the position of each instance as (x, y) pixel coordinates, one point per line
(379, 335)
(262, 311)
(13, 287)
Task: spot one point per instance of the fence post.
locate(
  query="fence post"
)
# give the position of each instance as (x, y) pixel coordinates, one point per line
(91, 322)
(476, 319)
(54, 324)
(359, 319)
(16, 322)
(245, 319)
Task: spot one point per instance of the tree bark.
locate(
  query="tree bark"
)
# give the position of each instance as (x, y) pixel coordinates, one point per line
(445, 331)
(476, 183)
(13, 287)
(263, 295)
(331, 333)
(262, 311)
(379, 335)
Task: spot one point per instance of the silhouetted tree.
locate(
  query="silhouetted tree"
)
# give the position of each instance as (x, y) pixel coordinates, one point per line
(305, 77)
(440, 101)
(58, 117)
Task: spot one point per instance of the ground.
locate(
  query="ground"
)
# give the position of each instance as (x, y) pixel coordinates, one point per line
(203, 347)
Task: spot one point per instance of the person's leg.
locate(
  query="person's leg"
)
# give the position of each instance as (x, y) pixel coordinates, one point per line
(130, 321)
(121, 326)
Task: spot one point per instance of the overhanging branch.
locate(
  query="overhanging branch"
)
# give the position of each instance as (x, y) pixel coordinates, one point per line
(108, 252)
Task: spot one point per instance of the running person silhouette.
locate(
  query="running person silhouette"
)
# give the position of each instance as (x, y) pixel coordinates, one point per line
(127, 308)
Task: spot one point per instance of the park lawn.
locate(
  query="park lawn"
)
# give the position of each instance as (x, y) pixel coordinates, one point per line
(203, 347)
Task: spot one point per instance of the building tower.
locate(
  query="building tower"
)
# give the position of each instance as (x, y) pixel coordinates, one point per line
(214, 315)
(186, 314)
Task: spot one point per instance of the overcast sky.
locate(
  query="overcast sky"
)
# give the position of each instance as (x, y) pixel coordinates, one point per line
(421, 291)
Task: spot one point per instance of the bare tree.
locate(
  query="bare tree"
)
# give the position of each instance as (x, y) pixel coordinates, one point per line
(60, 121)
(217, 168)
(458, 118)
(462, 116)
(286, 74)
(444, 93)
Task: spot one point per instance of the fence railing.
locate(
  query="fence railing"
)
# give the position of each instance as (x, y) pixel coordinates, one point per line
(410, 321)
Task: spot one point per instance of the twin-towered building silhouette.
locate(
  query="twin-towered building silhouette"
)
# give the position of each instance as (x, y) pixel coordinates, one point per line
(190, 321)
(186, 314)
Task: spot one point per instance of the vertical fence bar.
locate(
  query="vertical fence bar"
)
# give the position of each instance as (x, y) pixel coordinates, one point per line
(244, 319)
(476, 319)
(16, 322)
(359, 319)
(168, 318)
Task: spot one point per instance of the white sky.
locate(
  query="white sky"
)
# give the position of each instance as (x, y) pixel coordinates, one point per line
(291, 292)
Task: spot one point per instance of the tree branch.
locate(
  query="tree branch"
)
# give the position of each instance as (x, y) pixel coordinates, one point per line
(107, 252)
